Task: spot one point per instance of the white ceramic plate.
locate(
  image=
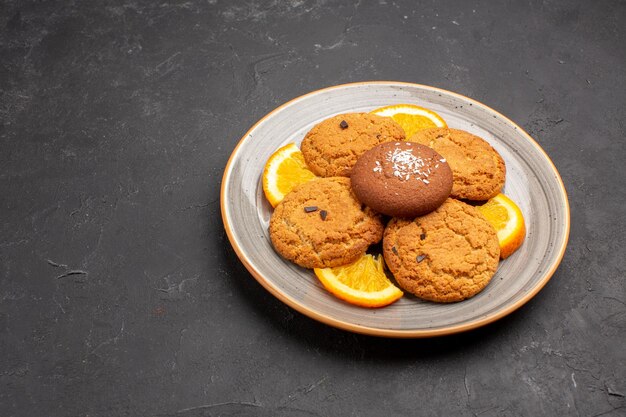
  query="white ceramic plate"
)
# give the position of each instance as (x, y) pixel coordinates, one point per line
(531, 180)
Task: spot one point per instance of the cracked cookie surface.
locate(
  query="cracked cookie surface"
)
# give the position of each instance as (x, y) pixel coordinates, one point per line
(321, 224)
(478, 169)
(445, 256)
(333, 146)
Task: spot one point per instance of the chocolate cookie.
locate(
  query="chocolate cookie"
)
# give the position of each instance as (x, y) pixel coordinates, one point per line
(402, 179)
(448, 255)
(333, 146)
(321, 224)
(478, 169)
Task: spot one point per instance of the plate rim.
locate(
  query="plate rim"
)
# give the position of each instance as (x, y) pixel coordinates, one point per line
(374, 331)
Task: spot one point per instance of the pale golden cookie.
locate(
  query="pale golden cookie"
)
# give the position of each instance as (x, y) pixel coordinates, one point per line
(478, 169)
(448, 255)
(333, 146)
(321, 224)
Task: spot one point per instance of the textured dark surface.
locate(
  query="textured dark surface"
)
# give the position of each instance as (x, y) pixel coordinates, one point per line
(119, 292)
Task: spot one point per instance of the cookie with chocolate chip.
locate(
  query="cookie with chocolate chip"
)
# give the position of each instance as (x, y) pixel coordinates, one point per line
(402, 179)
(322, 224)
(333, 146)
(445, 256)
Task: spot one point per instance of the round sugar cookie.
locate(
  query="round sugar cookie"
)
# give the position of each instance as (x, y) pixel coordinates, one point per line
(448, 255)
(478, 169)
(321, 224)
(333, 146)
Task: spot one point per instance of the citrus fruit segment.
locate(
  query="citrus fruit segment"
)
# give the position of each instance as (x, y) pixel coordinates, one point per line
(362, 283)
(283, 171)
(507, 219)
(411, 117)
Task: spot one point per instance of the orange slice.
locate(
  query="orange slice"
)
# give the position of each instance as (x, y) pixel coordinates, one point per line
(411, 117)
(508, 221)
(283, 171)
(362, 283)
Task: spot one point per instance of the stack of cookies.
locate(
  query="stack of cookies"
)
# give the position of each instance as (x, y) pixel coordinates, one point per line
(373, 184)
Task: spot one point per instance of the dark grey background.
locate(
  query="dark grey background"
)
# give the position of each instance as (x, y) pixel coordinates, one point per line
(119, 292)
